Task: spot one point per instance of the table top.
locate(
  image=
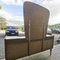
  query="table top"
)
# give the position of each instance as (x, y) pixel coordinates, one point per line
(14, 37)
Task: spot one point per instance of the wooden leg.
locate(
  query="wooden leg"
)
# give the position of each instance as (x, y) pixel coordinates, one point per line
(50, 52)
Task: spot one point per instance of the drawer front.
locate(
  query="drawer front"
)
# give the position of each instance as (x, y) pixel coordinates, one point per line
(16, 49)
(47, 44)
(35, 46)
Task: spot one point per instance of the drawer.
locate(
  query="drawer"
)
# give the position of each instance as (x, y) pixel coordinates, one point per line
(35, 46)
(48, 43)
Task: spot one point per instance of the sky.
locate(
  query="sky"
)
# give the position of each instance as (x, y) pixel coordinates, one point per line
(54, 7)
(12, 10)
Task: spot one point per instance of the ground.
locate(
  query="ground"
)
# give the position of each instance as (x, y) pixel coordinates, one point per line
(45, 55)
(2, 47)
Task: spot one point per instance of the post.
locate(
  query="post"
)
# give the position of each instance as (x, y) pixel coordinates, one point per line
(50, 52)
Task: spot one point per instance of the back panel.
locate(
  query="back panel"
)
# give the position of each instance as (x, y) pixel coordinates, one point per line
(36, 20)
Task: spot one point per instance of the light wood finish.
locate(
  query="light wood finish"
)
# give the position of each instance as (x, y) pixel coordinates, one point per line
(35, 46)
(35, 23)
(48, 42)
(16, 48)
(36, 20)
(45, 55)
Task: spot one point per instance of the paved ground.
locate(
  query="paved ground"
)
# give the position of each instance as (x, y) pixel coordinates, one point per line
(56, 36)
(45, 55)
(2, 45)
(2, 35)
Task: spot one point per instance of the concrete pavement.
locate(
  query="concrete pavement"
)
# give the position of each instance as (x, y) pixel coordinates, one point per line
(2, 36)
(44, 55)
